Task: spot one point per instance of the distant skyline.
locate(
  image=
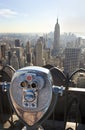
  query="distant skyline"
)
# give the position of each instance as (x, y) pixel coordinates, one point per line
(41, 15)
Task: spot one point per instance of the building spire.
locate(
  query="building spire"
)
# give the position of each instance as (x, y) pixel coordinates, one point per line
(57, 20)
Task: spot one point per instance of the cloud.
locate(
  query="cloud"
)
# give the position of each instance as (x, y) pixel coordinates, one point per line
(7, 13)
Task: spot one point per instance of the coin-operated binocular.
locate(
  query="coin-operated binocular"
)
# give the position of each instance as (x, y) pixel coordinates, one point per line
(32, 94)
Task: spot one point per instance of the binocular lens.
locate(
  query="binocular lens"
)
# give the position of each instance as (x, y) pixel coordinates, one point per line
(34, 85)
(24, 84)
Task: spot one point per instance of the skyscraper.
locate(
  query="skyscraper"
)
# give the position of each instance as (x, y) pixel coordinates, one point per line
(72, 59)
(56, 39)
(14, 61)
(39, 53)
(3, 49)
(17, 43)
(28, 53)
(19, 53)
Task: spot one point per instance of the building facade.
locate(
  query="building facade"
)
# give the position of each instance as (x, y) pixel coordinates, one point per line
(39, 53)
(56, 45)
(28, 54)
(72, 59)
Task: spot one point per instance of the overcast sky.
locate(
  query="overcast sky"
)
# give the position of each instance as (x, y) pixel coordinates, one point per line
(41, 15)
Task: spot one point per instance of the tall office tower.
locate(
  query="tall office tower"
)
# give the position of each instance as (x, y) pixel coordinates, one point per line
(19, 53)
(78, 42)
(0, 53)
(28, 53)
(39, 53)
(3, 49)
(56, 45)
(72, 59)
(9, 57)
(42, 39)
(14, 61)
(17, 43)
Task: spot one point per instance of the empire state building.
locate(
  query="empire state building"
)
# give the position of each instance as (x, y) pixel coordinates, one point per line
(56, 39)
